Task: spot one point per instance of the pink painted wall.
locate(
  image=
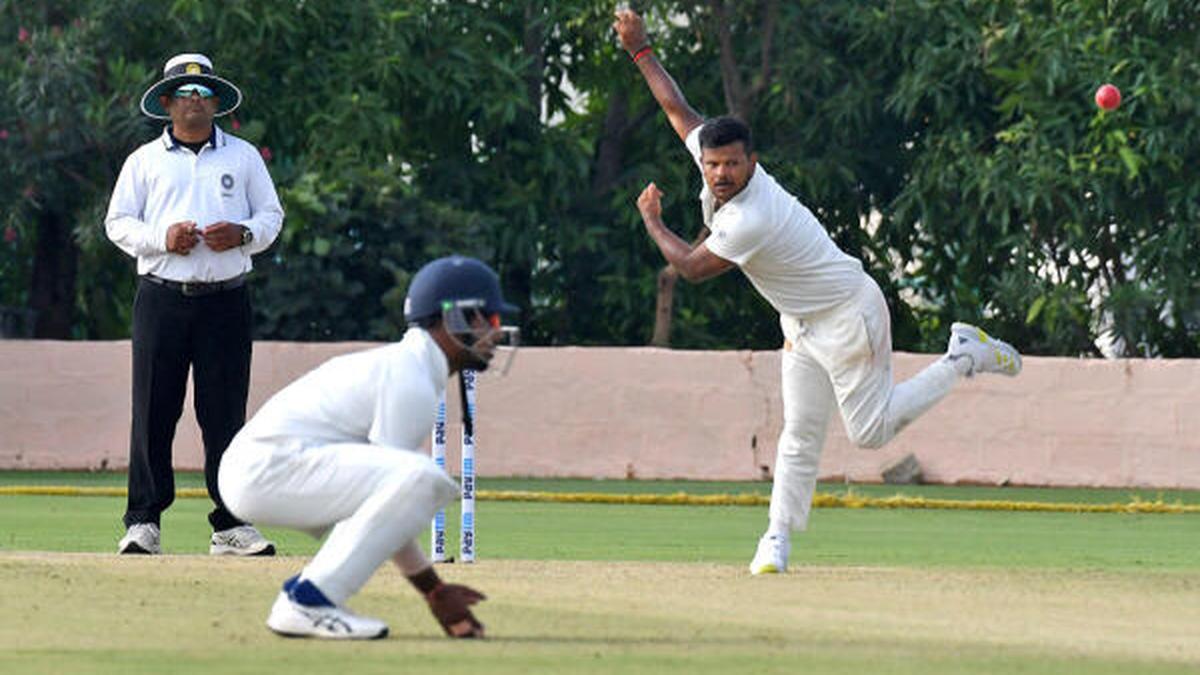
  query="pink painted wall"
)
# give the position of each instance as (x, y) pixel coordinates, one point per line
(652, 413)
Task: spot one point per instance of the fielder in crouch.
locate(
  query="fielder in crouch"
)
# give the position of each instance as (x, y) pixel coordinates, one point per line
(339, 452)
(837, 333)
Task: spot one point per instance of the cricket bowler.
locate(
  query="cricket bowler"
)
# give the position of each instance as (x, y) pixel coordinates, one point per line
(837, 348)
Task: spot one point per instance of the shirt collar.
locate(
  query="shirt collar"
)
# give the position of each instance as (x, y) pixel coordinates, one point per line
(216, 140)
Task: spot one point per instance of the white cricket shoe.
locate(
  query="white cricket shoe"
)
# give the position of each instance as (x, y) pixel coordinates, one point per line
(291, 619)
(140, 538)
(240, 540)
(771, 556)
(986, 353)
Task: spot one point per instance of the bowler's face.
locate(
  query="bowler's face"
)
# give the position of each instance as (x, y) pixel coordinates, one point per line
(727, 169)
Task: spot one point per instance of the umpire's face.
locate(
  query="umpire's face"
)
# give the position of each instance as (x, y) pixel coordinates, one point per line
(191, 111)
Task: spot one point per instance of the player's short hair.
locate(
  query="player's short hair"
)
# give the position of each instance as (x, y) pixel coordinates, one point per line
(721, 131)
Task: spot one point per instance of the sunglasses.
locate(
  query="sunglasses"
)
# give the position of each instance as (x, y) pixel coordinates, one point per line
(187, 90)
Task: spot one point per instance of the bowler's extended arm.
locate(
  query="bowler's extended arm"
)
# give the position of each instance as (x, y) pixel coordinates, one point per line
(632, 31)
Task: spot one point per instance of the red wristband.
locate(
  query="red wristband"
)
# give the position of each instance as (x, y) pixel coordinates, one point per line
(642, 53)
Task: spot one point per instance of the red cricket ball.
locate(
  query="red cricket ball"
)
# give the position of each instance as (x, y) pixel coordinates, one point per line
(1108, 97)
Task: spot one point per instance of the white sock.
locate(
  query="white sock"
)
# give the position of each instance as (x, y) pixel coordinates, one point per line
(962, 364)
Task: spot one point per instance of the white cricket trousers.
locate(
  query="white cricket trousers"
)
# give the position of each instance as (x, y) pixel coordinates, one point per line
(842, 357)
(376, 500)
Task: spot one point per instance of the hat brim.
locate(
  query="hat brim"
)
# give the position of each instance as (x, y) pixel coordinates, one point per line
(226, 92)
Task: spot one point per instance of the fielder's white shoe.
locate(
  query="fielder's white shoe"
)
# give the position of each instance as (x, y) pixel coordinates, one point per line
(771, 556)
(986, 353)
(291, 619)
(240, 540)
(140, 538)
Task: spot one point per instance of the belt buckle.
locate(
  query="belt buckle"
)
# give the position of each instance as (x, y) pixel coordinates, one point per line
(190, 288)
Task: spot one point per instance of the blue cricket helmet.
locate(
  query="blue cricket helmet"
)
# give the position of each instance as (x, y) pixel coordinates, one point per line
(454, 282)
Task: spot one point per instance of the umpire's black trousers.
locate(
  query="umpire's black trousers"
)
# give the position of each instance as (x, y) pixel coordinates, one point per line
(172, 331)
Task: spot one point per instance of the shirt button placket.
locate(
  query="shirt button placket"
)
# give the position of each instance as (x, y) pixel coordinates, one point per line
(193, 194)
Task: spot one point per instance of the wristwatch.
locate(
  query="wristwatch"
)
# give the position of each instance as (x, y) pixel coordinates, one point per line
(247, 235)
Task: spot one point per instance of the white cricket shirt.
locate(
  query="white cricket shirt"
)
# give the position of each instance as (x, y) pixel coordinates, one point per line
(384, 396)
(163, 183)
(778, 244)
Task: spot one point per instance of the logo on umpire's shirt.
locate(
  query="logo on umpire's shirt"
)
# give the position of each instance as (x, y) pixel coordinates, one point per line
(226, 185)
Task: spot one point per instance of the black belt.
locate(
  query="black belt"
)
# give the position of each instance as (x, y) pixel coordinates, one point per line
(198, 288)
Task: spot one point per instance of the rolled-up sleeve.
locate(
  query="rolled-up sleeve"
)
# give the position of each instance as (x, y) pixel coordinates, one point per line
(266, 213)
(124, 222)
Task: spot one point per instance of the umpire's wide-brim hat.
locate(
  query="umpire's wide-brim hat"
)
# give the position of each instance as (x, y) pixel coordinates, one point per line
(184, 69)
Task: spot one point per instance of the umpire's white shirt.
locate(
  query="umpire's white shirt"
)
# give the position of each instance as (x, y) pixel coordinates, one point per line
(779, 245)
(385, 396)
(163, 183)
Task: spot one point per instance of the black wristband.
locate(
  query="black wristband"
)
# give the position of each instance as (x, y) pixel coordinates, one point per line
(425, 581)
(642, 52)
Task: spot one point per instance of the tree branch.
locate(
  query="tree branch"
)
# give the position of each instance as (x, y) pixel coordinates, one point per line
(533, 44)
(609, 154)
(770, 19)
(731, 80)
(664, 299)
(741, 99)
(603, 181)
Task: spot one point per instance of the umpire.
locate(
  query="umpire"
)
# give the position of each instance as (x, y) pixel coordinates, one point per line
(192, 206)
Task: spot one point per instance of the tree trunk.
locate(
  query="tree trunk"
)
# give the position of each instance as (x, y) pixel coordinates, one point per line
(55, 264)
(516, 275)
(610, 153)
(664, 313)
(741, 97)
(534, 46)
(665, 297)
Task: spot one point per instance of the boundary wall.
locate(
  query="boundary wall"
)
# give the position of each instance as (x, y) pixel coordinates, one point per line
(608, 412)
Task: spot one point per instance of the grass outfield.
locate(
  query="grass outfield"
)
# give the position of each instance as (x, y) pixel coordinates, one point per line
(614, 588)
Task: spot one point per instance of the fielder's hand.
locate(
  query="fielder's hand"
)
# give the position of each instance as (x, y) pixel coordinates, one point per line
(451, 606)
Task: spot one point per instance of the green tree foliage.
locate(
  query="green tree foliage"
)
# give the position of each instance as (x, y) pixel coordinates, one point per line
(63, 133)
(953, 146)
(1025, 204)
